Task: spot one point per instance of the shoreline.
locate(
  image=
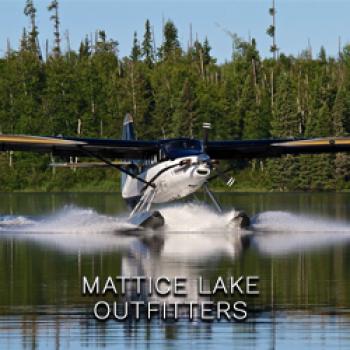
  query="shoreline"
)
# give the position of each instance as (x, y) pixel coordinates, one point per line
(215, 190)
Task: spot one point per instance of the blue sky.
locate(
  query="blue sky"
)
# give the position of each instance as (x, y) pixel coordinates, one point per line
(321, 22)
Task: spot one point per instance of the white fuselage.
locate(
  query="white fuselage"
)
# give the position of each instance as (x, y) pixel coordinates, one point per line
(174, 183)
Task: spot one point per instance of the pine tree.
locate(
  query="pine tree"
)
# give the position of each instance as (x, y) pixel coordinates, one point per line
(206, 52)
(322, 55)
(341, 117)
(135, 51)
(197, 55)
(106, 46)
(30, 11)
(286, 119)
(85, 49)
(171, 46)
(24, 40)
(185, 114)
(285, 123)
(147, 45)
(248, 108)
(322, 165)
(53, 7)
(271, 30)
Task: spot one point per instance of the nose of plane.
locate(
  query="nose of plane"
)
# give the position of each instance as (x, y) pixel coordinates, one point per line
(203, 166)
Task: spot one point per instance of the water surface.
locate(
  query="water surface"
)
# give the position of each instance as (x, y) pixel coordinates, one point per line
(299, 247)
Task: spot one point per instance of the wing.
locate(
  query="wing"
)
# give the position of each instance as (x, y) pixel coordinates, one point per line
(125, 149)
(248, 149)
(80, 147)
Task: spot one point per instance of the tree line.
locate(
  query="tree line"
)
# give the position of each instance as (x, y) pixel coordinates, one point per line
(170, 91)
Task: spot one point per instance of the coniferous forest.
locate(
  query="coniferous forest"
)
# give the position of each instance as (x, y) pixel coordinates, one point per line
(170, 90)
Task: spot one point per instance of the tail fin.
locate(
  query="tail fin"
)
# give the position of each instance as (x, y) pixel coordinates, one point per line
(127, 134)
(128, 128)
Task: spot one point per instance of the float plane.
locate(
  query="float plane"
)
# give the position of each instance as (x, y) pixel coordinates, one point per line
(161, 171)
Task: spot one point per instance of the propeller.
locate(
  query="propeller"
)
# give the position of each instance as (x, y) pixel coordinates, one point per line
(213, 163)
(222, 174)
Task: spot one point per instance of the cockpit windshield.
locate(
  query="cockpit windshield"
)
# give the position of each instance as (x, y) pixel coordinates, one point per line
(181, 148)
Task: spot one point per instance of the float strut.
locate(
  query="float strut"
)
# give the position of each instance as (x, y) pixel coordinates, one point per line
(212, 198)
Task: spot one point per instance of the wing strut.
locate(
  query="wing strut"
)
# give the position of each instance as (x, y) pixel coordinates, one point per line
(117, 166)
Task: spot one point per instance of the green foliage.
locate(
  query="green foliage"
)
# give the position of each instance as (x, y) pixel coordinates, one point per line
(53, 7)
(88, 92)
(136, 50)
(170, 48)
(147, 45)
(30, 12)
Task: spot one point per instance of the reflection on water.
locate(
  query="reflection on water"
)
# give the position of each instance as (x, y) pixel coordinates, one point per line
(299, 245)
(285, 331)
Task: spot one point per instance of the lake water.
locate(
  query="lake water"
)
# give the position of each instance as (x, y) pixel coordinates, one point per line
(299, 247)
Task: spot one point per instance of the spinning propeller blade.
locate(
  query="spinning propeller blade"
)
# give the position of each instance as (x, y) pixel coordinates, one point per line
(229, 180)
